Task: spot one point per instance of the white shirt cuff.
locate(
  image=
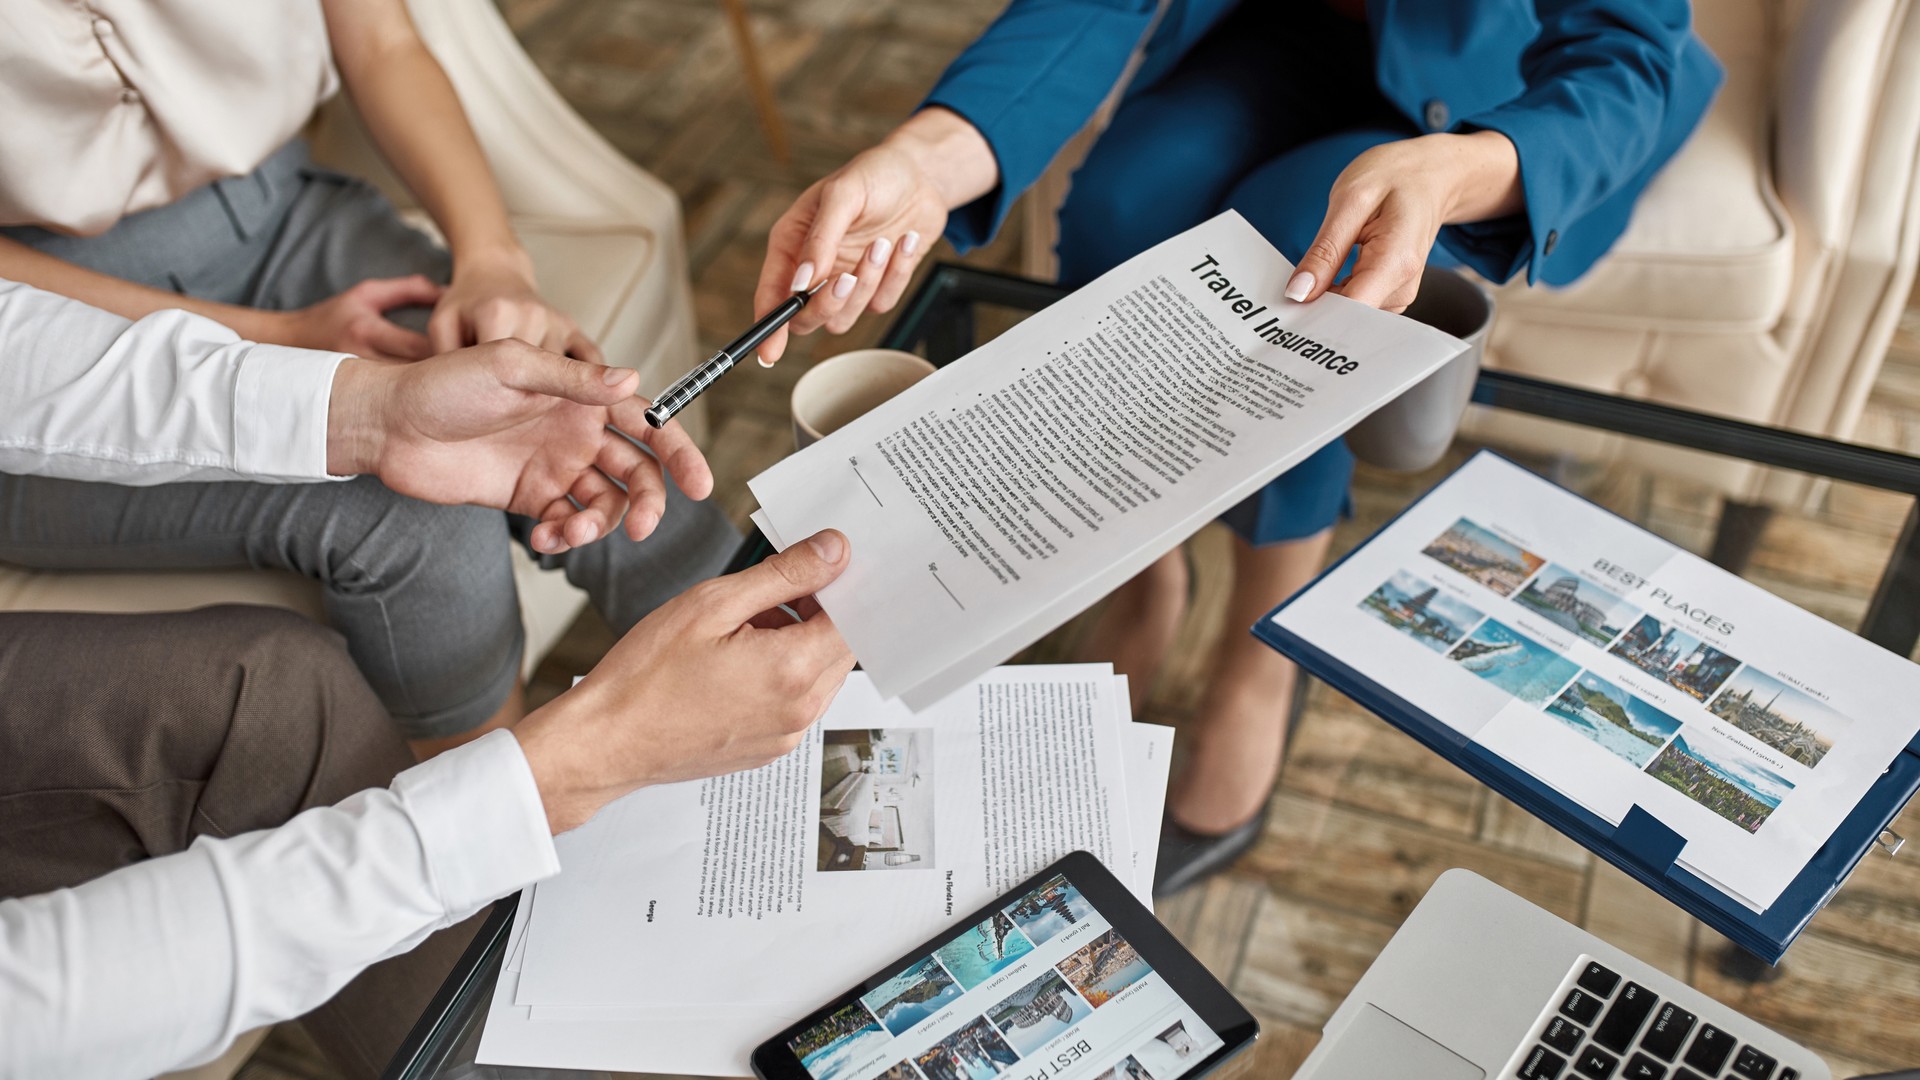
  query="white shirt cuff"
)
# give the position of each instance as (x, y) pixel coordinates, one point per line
(481, 821)
(281, 399)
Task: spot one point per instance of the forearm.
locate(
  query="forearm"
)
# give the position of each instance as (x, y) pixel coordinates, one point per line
(951, 152)
(1486, 176)
(159, 965)
(124, 298)
(415, 117)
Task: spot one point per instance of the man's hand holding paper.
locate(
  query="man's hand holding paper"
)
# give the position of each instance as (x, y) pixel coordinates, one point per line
(997, 499)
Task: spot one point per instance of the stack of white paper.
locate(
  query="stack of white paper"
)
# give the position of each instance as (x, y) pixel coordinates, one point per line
(692, 921)
(995, 500)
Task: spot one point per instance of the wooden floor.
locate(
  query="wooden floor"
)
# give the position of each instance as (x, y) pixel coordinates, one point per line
(1365, 819)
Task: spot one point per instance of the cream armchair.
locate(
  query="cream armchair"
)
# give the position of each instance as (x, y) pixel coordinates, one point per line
(607, 245)
(1767, 265)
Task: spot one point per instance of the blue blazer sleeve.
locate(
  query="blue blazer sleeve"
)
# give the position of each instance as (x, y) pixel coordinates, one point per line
(1029, 84)
(1612, 89)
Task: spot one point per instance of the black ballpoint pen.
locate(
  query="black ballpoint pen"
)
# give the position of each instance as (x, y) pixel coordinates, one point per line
(688, 386)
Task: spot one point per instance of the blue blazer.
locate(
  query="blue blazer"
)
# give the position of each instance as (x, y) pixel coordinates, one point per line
(1595, 94)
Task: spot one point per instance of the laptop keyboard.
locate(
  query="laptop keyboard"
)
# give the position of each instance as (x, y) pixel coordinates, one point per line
(1604, 1027)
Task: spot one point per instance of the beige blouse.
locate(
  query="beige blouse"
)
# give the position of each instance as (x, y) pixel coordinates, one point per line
(108, 107)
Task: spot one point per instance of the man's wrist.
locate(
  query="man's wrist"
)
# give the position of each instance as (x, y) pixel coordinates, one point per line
(952, 154)
(551, 739)
(356, 416)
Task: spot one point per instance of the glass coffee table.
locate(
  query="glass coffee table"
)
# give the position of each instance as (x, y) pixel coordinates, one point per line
(1365, 819)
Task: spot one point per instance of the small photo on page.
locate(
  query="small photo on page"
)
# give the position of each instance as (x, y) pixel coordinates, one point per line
(1571, 602)
(1128, 1068)
(1514, 662)
(1780, 716)
(1675, 656)
(1104, 967)
(1498, 564)
(911, 996)
(975, 1052)
(902, 1070)
(830, 1046)
(1621, 723)
(1415, 607)
(1038, 1013)
(876, 799)
(1171, 1052)
(985, 950)
(1721, 778)
(1050, 908)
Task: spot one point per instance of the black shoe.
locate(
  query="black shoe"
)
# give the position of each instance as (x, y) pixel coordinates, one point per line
(1186, 857)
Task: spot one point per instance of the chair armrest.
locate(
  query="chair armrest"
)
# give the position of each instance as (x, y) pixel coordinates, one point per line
(1833, 69)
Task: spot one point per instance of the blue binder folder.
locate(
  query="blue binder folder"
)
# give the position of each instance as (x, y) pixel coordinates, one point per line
(1640, 845)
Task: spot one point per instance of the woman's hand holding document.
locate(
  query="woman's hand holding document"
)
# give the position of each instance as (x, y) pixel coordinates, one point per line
(998, 498)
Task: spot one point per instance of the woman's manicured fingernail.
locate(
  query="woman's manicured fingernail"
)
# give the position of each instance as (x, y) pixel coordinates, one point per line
(828, 545)
(616, 375)
(877, 254)
(1300, 286)
(844, 287)
(764, 362)
(910, 243)
(803, 277)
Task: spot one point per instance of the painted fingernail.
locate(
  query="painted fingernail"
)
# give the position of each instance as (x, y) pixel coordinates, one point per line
(828, 545)
(844, 287)
(615, 376)
(877, 254)
(1300, 286)
(910, 243)
(764, 362)
(803, 277)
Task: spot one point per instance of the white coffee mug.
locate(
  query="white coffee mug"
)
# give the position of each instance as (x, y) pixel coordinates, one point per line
(837, 391)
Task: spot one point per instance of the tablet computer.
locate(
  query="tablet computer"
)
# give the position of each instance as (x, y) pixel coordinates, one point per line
(1066, 977)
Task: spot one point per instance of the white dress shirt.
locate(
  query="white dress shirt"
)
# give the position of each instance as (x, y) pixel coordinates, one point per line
(87, 395)
(116, 106)
(159, 965)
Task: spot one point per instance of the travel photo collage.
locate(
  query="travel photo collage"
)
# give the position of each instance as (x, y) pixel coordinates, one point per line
(1025, 1028)
(1793, 730)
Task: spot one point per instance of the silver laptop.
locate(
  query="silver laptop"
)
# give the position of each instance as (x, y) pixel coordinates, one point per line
(1482, 985)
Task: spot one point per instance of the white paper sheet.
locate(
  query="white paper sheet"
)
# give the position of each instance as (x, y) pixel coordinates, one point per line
(994, 500)
(1523, 629)
(662, 881)
(654, 1039)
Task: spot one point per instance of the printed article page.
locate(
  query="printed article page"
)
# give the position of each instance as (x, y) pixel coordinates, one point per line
(794, 880)
(997, 498)
(1620, 670)
(715, 1040)
(1043, 989)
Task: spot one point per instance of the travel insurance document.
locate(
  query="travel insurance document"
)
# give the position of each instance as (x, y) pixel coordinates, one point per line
(1004, 494)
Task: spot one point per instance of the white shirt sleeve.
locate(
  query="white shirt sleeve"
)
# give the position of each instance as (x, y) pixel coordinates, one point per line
(88, 395)
(160, 965)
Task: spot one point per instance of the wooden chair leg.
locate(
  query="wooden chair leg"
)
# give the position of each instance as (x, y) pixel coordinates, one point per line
(764, 102)
(1738, 536)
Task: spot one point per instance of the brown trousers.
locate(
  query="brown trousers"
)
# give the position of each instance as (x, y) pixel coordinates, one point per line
(124, 737)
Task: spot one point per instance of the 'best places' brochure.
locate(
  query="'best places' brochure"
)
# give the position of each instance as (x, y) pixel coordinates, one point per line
(1619, 670)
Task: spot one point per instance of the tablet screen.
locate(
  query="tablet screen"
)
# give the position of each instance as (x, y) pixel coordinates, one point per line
(1043, 988)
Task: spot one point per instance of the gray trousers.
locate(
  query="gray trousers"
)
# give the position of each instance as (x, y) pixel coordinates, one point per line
(211, 723)
(424, 594)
